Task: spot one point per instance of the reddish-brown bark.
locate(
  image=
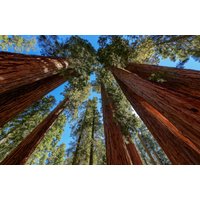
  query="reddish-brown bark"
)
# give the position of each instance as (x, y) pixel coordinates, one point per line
(180, 80)
(182, 111)
(116, 150)
(135, 157)
(15, 101)
(22, 152)
(178, 148)
(17, 69)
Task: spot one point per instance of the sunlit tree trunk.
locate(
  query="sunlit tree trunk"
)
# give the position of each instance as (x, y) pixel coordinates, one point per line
(179, 80)
(17, 69)
(182, 111)
(135, 157)
(179, 149)
(92, 140)
(146, 149)
(116, 150)
(23, 151)
(17, 100)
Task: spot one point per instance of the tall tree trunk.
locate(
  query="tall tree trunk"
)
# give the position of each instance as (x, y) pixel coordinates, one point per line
(179, 80)
(14, 102)
(17, 69)
(157, 157)
(135, 157)
(133, 153)
(182, 111)
(179, 149)
(146, 149)
(75, 158)
(116, 151)
(23, 151)
(92, 140)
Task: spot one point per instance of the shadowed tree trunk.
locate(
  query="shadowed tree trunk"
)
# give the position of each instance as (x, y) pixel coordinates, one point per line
(75, 158)
(135, 157)
(182, 111)
(92, 140)
(14, 102)
(23, 151)
(17, 69)
(146, 149)
(179, 80)
(179, 149)
(157, 157)
(133, 153)
(116, 151)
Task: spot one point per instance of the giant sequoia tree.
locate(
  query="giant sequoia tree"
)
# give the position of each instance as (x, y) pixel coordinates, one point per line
(166, 99)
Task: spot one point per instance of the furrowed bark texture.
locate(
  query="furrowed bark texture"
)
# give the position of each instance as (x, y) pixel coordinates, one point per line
(135, 157)
(182, 111)
(17, 69)
(180, 80)
(178, 148)
(116, 151)
(22, 152)
(15, 101)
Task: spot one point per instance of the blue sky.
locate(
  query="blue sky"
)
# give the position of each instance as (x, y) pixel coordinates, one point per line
(191, 64)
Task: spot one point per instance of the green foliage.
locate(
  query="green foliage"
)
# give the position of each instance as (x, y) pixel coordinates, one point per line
(120, 50)
(49, 151)
(17, 129)
(16, 43)
(79, 52)
(158, 77)
(82, 128)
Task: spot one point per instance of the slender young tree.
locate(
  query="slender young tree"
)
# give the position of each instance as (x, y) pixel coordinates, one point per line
(89, 147)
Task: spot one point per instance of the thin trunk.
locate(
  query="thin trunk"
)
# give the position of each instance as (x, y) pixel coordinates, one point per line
(179, 80)
(92, 140)
(14, 102)
(180, 110)
(157, 157)
(23, 151)
(116, 150)
(135, 157)
(146, 149)
(17, 69)
(75, 158)
(177, 147)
